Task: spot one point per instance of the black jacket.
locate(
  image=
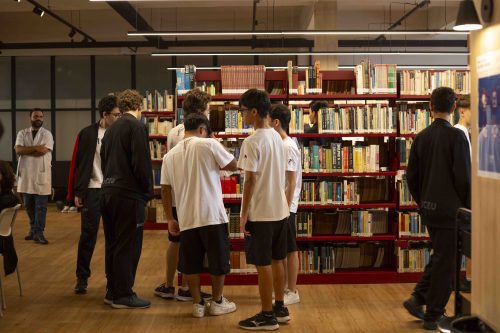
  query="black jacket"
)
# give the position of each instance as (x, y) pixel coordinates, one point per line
(439, 171)
(7, 249)
(84, 162)
(126, 160)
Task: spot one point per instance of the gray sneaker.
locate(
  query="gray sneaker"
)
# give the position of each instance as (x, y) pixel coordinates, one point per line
(130, 302)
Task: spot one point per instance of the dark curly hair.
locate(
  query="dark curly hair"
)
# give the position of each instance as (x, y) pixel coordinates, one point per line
(256, 99)
(107, 104)
(8, 177)
(129, 100)
(195, 101)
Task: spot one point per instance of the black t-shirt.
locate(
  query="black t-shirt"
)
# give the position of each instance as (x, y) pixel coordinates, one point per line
(311, 129)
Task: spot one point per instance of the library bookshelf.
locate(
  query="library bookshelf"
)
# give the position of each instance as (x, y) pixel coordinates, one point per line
(390, 241)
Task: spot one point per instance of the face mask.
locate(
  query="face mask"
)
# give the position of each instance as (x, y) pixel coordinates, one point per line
(36, 123)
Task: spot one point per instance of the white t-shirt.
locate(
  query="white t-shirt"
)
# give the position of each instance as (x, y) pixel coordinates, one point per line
(96, 177)
(466, 132)
(192, 168)
(175, 135)
(294, 163)
(264, 153)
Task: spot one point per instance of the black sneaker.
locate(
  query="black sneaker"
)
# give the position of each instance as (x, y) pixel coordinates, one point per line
(81, 286)
(413, 306)
(108, 299)
(260, 322)
(432, 325)
(185, 295)
(29, 236)
(130, 302)
(281, 313)
(40, 239)
(165, 292)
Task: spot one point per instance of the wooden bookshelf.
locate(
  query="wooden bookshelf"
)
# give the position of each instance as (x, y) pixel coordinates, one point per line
(342, 135)
(412, 135)
(158, 114)
(341, 96)
(349, 174)
(334, 238)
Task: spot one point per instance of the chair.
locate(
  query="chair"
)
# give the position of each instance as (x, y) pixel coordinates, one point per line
(7, 219)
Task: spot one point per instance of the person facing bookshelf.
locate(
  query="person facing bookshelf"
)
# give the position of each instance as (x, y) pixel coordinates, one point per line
(191, 173)
(264, 209)
(314, 107)
(465, 120)
(438, 177)
(280, 119)
(195, 101)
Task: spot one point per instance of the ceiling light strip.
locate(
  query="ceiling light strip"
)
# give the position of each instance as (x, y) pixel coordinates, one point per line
(318, 53)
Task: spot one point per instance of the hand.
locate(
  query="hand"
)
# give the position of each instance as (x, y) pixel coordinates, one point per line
(243, 223)
(78, 202)
(173, 227)
(42, 150)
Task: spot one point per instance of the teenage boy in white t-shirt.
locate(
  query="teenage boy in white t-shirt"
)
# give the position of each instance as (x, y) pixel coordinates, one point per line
(279, 120)
(195, 101)
(264, 209)
(192, 171)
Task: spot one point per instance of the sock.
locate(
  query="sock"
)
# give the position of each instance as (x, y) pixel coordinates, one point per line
(202, 302)
(268, 313)
(219, 301)
(279, 304)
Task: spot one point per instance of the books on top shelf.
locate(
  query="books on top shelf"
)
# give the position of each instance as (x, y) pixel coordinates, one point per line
(157, 149)
(339, 157)
(157, 101)
(312, 84)
(362, 120)
(238, 79)
(410, 225)
(375, 78)
(457, 80)
(186, 79)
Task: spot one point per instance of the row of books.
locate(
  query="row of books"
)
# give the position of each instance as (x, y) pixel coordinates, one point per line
(359, 255)
(158, 101)
(413, 260)
(234, 123)
(313, 79)
(155, 212)
(405, 197)
(234, 224)
(158, 125)
(337, 157)
(186, 79)
(344, 192)
(157, 149)
(238, 79)
(232, 186)
(403, 146)
(412, 122)
(361, 119)
(457, 80)
(157, 177)
(375, 78)
(212, 88)
(410, 224)
(238, 261)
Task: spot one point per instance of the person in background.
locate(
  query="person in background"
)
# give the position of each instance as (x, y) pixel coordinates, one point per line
(7, 180)
(195, 101)
(191, 172)
(280, 119)
(264, 209)
(438, 176)
(314, 107)
(34, 173)
(87, 185)
(126, 188)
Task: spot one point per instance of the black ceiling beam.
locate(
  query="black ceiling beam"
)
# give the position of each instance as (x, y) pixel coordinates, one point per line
(403, 43)
(260, 43)
(405, 16)
(60, 19)
(129, 14)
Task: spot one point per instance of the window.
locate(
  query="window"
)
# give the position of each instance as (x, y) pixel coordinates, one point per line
(113, 73)
(73, 82)
(69, 123)
(33, 82)
(5, 88)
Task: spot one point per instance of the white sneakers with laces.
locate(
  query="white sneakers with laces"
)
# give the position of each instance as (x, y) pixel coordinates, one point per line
(291, 297)
(217, 309)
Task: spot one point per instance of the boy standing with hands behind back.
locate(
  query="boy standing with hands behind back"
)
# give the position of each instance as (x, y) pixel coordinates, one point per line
(264, 209)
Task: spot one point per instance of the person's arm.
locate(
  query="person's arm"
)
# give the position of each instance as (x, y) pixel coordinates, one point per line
(292, 158)
(412, 176)
(291, 182)
(166, 197)
(225, 159)
(32, 151)
(462, 169)
(248, 189)
(141, 159)
(74, 192)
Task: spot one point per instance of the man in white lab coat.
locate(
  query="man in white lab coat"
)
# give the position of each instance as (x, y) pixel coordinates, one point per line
(34, 181)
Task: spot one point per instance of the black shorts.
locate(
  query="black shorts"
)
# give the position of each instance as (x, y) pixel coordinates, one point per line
(172, 238)
(291, 238)
(212, 240)
(268, 242)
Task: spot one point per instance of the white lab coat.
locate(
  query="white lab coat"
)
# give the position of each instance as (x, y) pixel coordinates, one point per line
(34, 173)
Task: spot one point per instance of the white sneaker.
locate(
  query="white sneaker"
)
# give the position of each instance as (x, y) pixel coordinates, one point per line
(217, 309)
(199, 310)
(73, 209)
(65, 209)
(291, 297)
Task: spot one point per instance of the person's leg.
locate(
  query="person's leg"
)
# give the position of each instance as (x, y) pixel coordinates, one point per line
(108, 220)
(29, 205)
(422, 287)
(41, 202)
(292, 261)
(266, 283)
(90, 217)
(278, 280)
(193, 281)
(172, 261)
(292, 265)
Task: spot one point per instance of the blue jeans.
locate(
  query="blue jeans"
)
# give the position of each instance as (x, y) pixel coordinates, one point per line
(36, 207)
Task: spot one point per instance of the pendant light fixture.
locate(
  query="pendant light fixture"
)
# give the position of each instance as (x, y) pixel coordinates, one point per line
(467, 19)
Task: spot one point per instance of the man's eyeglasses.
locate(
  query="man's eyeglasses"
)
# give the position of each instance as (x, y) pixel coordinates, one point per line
(243, 110)
(116, 115)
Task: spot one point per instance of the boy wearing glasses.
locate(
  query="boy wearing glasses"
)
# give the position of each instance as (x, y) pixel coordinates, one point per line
(191, 173)
(264, 209)
(85, 182)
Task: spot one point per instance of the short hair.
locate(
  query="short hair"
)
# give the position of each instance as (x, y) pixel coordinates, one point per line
(195, 101)
(442, 99)
(194, 120)
(464, 102)
(35, 110)
(315, 106)
(129, 100)
(282, 113)
(256, 99)
(107, 104)
(8, 177)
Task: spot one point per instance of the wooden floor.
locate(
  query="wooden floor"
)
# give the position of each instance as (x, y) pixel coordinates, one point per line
(49, 305)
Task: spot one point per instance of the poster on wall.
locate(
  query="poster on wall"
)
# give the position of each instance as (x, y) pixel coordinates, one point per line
(488, 71)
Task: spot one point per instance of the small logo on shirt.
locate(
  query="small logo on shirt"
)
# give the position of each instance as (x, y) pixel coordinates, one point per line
(245, 155)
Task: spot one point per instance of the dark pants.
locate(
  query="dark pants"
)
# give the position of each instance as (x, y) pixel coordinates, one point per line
(123, 222)
(36, 207)
(435, 286)
(90, 216)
